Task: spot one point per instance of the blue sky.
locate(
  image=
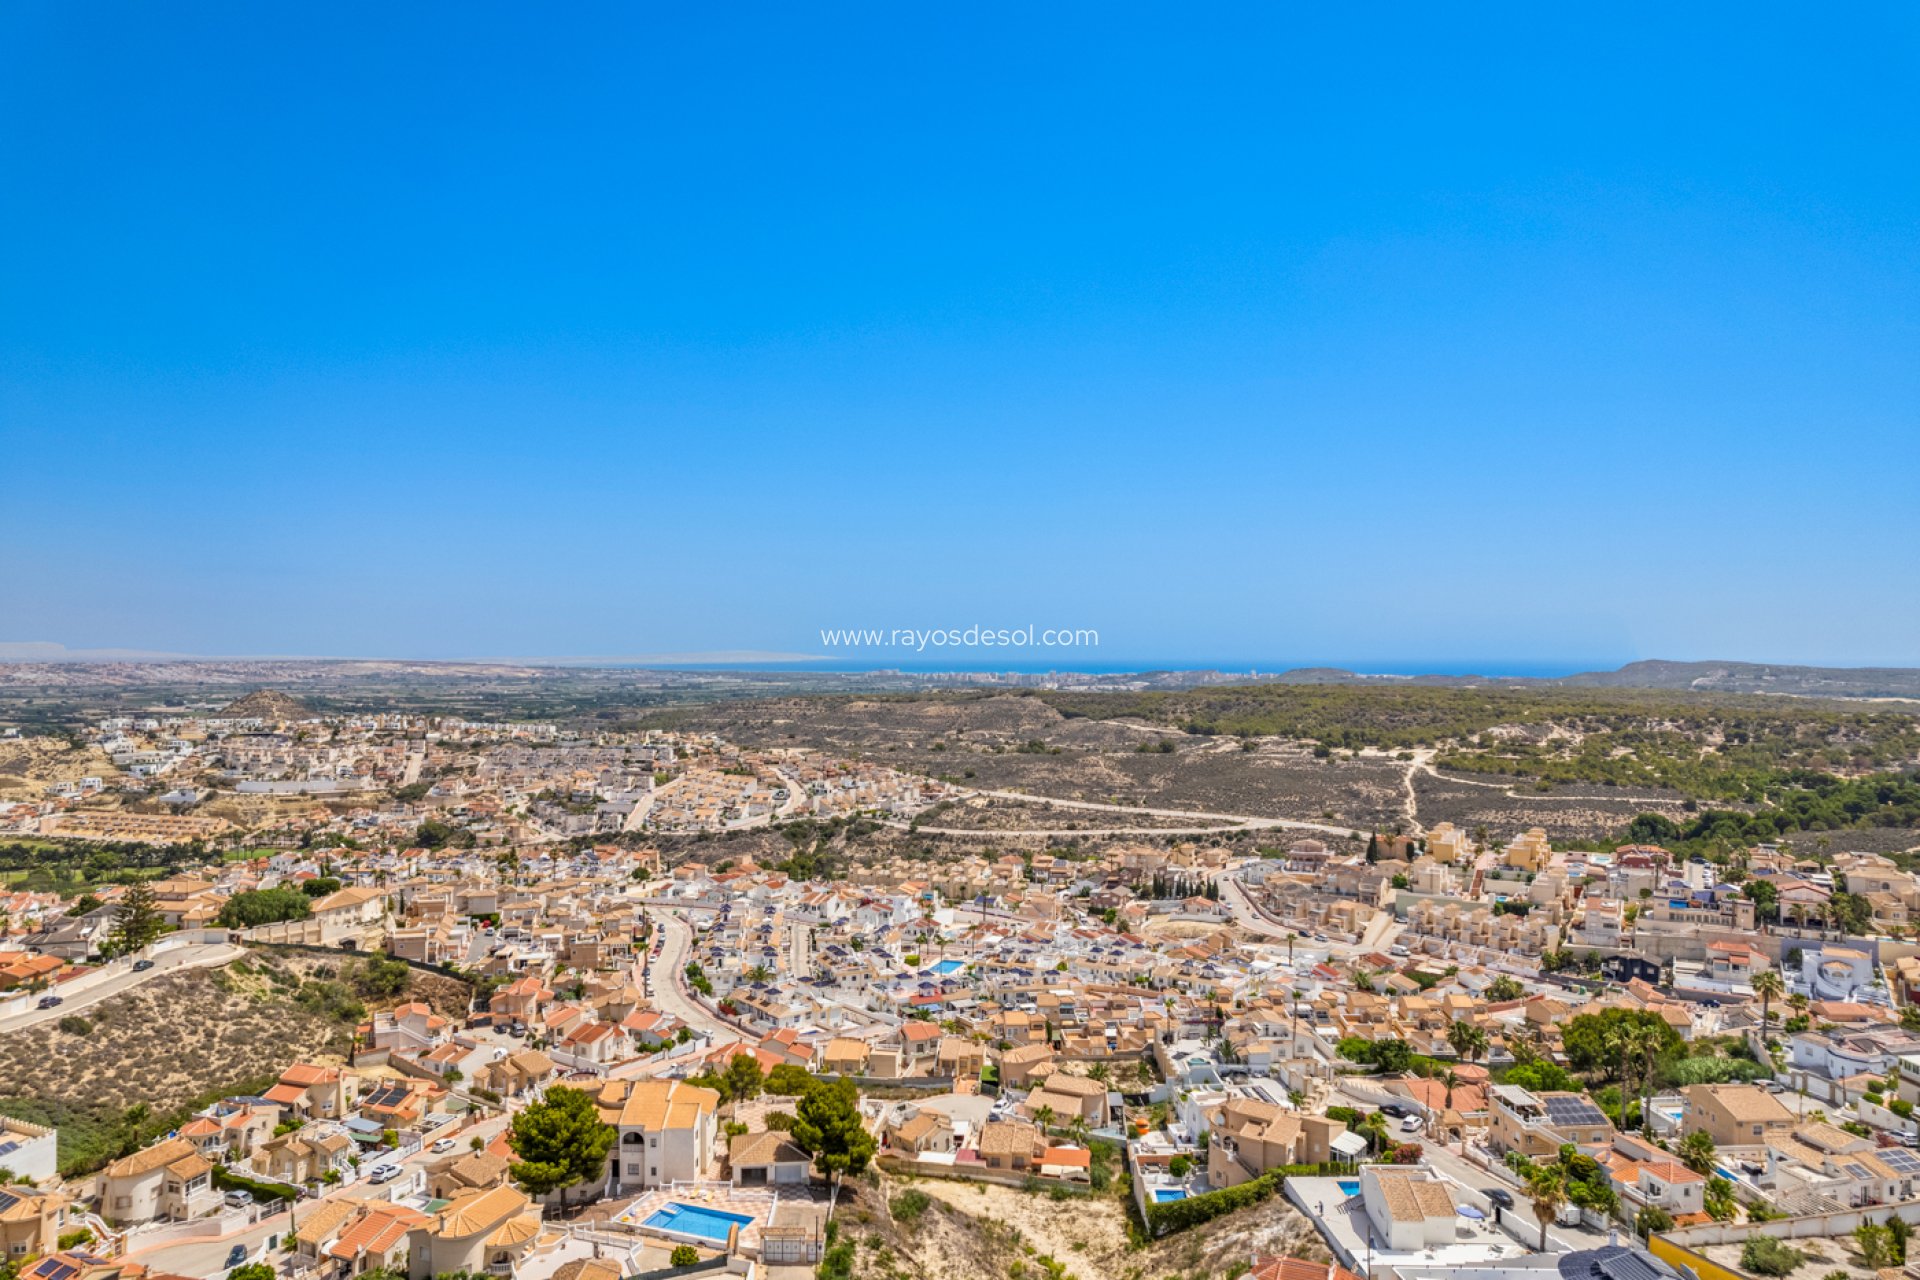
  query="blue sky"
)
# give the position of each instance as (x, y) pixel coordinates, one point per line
(1424, 335)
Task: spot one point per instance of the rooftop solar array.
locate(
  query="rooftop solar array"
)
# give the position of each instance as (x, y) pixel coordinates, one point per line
(1573, 1111)
(1899, 1160)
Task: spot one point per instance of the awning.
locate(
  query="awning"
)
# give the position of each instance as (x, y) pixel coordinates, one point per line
(1468, 1211)
(1349, 1144)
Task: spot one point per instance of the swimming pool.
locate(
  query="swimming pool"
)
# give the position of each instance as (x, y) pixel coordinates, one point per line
(1162, 1195)
(1349, 1186)
(948, 966)
(696, 1220)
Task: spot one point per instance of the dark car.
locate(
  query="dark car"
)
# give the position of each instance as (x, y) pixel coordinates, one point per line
(141, 966)
(48, 1002)
(236, 1256)
(1395, 1110)
(1499, 1197)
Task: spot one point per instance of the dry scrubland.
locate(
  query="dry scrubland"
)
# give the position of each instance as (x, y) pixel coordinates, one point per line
(29, 765)
(971, 1231)
(1009, 742)
(131, 1064)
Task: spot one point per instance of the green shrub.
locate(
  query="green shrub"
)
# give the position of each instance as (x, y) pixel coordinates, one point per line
(75, 1025)
(1770, 1256)
(684, 1255)
(909, 1205)
(70, 1239)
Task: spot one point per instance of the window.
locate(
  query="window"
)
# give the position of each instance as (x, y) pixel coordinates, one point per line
(656, 1171)
(633, 1170)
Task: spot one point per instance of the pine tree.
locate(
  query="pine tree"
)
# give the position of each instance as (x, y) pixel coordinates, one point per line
(560, 1140)
(136, 923)
(827, 1125)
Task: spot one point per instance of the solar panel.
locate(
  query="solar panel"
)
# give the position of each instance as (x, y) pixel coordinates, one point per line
(1898, 1160)
(1573, 1111)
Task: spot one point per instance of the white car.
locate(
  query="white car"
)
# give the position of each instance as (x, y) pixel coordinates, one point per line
(383, 1173)
(1410, 1125)
(441, 1146)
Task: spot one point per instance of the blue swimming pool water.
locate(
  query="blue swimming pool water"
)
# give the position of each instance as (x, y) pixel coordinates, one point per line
(1349, 1186)
(1164, 1194)
(950, 966)
(696, 1220)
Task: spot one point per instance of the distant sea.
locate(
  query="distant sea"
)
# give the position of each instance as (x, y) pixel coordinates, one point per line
(920, 665)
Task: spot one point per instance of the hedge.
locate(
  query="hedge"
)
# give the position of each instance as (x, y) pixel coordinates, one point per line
(227, 1180)
(1179, 1215)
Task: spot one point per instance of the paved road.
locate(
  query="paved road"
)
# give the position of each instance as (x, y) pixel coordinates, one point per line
(207, 1257)
(668, 970)
(1229, 821)
(194, 955)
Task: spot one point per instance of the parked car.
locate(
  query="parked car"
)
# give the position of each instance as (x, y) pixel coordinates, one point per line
(1410, 1125)
(48, 1002)
(383, 1173)
(237, 1200)
(236, 1256)
(1500, 1197)
(441, 1146)
(1394, 1109)
(141, 966)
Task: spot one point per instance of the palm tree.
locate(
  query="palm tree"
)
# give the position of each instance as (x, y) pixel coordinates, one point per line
(1468, 1039)
(1646, 1043)
(759, 973)
(1768, 985)
(1098, 1071)
(1450, 1080)
(1043, 1116)
(1548, 1191)
(1697, 1152)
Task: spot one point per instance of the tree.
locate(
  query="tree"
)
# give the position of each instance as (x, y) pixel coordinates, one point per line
(1468, 1039)
(684, 1255)
(742, 1081)
(788, 1081)
(252, 1271)
(828, 1127)
(560, 1141)
(1873, 1244)
(320, 886)
(1645, 1045)
(136, 922)
(1504, 988)
(1652, 1218)
(83, 904)
(1697, 1152)
(1585, 1037)
(1768, 985)
(264, 906)
(1548, 1191)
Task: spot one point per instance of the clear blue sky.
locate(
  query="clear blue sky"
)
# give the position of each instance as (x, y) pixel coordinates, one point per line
(1433, 335)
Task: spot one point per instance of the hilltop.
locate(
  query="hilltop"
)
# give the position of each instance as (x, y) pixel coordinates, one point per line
(267, 704)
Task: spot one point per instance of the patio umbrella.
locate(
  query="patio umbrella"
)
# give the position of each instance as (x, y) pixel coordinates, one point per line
(1468, 1211)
